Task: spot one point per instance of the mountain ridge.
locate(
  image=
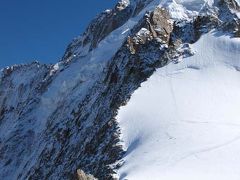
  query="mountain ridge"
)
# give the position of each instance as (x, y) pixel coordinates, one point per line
(65, 113)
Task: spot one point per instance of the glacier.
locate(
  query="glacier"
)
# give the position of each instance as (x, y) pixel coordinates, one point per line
(183, 122)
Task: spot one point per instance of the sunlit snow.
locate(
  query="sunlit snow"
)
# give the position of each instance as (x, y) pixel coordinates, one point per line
(184, 122)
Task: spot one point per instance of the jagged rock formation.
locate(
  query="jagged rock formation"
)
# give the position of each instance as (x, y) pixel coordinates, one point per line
(104, 24)
(57, 119)
(83, 176)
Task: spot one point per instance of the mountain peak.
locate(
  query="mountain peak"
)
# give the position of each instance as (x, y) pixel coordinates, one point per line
(58, 119)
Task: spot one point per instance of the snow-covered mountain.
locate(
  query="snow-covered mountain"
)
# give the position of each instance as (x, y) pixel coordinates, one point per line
(171, 66)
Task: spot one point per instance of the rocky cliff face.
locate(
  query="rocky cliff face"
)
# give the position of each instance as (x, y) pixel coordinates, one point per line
(57, 119)
(103, 25)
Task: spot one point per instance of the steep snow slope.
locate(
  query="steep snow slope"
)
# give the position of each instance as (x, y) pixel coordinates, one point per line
(183, 123)
(57, 119)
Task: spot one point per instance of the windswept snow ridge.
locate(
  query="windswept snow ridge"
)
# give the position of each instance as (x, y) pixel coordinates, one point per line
(183, 123)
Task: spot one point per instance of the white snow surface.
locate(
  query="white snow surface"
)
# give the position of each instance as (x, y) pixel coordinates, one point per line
(184, 121)
(185, 9)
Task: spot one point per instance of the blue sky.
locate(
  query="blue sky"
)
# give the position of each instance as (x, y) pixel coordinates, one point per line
(41, 29)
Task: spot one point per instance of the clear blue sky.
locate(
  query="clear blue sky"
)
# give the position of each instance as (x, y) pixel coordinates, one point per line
(41, 29)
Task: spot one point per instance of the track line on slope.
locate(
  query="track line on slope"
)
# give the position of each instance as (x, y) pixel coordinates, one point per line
(207, 149)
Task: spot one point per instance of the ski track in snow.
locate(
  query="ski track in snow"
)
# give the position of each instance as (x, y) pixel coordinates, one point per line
(185, 118)
(210, 148)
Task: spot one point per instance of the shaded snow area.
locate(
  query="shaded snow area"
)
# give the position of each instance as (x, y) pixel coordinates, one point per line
(184, 122)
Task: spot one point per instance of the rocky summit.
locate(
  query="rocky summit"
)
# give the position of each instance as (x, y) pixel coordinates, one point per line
(61, 121)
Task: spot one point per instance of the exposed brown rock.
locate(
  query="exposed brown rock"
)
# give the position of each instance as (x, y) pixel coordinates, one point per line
(156, 25)
(83, 176)
(160, 24)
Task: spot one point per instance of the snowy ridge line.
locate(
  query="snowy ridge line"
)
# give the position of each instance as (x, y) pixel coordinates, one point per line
(178, 9)
(107, 21)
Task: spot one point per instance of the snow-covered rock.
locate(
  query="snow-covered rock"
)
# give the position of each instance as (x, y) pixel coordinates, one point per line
(56, 119)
